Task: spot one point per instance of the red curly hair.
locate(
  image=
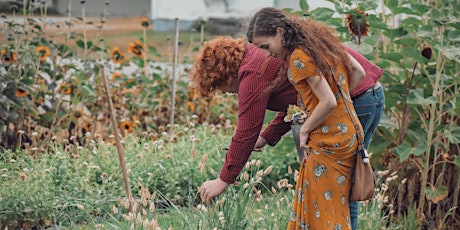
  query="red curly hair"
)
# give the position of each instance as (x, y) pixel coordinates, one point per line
(216, 65)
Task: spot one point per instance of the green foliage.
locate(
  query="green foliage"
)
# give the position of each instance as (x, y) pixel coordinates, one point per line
(74, 186)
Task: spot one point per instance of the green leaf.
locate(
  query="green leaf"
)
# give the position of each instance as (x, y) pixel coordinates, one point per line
(368, 5)
(436, 194)
(411, 24)
(154, 51)
(394, 33)
(304, 5)
(404, 10)
(416, 97)
(322, 13)
(27, 81)
(138, 61)
(409, 41)
(403, 150)
(420, 9)
(396, 57)
(457, 161)
(451, 52)
(414, 53)
(80, 44)
(376, 22)
(453, 135)
(419, 150)
(89, 90)
(89, 44)
(453, 36)
(426, 31)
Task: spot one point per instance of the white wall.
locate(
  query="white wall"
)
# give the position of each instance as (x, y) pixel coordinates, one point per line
(182, 9)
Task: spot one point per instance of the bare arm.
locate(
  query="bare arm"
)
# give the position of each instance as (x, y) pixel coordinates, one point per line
(326, 105)
(357, 73)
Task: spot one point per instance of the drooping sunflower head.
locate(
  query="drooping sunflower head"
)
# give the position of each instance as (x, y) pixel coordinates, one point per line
(427, 52)
(357, 23)
(21, 93)
(137, 48)
(8, 57)
(116, 55)
(43, 52)
(145, 22)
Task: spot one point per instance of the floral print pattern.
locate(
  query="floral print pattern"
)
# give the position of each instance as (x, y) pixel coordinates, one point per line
(323, 185)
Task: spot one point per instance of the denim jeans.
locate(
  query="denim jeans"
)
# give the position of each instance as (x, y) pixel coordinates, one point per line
(369, 107)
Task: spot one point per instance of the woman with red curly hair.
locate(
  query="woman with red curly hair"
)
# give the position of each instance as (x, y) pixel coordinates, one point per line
(232, 65)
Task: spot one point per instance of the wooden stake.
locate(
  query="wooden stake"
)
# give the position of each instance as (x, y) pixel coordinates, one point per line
(174, 73)
(121, 156)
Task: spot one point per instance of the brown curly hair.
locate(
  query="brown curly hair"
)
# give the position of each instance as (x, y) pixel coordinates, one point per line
(216, 65)
(314, 38)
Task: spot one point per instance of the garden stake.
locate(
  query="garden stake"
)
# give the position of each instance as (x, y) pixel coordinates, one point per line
(121, 156)
(174, 73)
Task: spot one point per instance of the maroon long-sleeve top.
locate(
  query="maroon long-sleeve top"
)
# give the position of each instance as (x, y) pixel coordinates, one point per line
(256, 94)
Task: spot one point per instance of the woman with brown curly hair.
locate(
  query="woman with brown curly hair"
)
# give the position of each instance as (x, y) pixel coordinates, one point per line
(329, 139)
(232, 65)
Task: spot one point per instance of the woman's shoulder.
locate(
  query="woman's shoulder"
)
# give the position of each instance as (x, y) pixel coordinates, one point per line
(299, 53)
(300, 60)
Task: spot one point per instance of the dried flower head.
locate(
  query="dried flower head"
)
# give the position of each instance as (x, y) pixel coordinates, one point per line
(8, 57)
(137, 48)
(357, 23)
(43, 52)
(116, 55)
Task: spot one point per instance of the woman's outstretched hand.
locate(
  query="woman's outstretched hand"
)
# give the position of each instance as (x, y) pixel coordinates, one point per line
(212, 188)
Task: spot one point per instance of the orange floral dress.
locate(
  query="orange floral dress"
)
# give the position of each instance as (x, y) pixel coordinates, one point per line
(323, 186)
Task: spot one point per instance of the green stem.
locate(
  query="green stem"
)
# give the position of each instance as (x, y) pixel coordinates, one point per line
(431, 128)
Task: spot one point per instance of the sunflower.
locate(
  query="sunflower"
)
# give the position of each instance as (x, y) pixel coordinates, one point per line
(145, 22)
(357, 23)
(65, 88)
(137, 48)
(9, 57)
(116, 75)
(116, 55)
(126, 126)
(21, 93)
(43, 52)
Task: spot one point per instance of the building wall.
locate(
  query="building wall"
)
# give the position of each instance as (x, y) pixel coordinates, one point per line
(116, 8)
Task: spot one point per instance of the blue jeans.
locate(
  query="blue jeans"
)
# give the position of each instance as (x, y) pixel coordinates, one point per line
(369, 107)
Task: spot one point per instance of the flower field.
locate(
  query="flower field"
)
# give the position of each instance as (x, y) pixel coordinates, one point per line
(59, 156)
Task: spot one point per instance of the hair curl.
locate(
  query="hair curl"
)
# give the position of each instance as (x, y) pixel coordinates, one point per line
(315, 38)
(216, 65)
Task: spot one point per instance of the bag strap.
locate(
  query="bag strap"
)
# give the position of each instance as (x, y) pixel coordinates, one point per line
(358, 130)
